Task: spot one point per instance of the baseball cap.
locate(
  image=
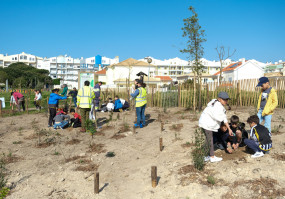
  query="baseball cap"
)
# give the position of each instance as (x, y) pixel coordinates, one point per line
(223, 95)
(262, 80)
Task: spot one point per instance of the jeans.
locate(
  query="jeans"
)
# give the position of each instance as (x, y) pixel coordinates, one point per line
(75, 101)
(140, 115)
(62, 124)
(266, 118)
(252, 145)
(52, 114)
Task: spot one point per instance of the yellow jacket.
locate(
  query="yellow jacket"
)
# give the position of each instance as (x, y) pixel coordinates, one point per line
(85, 96)
(271, 104)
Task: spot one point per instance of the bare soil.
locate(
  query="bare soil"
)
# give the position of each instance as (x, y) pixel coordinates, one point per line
(65, 166)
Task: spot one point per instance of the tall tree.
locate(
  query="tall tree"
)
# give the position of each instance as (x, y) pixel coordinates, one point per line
(195, 36)
(221, 50)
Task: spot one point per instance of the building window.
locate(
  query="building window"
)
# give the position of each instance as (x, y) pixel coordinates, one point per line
(15, 58)
(12, 58)
(25, 57)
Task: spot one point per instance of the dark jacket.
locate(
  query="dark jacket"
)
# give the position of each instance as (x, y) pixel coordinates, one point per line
(260, 134)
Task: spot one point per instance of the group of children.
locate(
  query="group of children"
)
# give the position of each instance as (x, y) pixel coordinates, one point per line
(230, 136)
(116, 106)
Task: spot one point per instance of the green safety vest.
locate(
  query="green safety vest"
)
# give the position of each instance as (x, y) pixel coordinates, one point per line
(141, 98)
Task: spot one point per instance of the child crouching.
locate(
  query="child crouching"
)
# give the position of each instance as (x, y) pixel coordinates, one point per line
(60, 120)
(76, 121)
(260, 140)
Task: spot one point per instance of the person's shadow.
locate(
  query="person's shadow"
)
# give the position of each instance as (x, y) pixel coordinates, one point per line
(102, 188)
(148, 120)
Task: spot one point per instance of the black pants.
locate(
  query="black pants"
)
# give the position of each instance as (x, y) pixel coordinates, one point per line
(75, 122)
(52, 114)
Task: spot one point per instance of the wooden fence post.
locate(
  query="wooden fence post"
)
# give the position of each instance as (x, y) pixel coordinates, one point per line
(160, 144)
(96, 182)
(27, 105)
(154, 176)
(0, 108)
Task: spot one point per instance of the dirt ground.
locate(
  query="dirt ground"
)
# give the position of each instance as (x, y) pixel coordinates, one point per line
(44, 163)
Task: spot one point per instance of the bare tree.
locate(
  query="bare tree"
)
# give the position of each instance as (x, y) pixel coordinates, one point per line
(223, 53)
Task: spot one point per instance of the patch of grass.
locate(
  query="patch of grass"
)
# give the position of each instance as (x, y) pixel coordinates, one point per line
(56, 153)
(187, 145)
(176, 127)
(211, 180)
(17, 142)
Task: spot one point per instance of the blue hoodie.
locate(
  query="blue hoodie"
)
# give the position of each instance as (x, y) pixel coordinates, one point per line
(53, 98)
(118, 104)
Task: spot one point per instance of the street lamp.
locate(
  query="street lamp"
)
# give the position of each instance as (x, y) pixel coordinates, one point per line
(149, 60)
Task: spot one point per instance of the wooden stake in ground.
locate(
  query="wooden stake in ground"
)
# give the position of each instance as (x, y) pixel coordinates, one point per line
(134, 130)
(160, 144)
(96, 182)
(154, 176)
(27, 105)
(161, 127)
(0, 108)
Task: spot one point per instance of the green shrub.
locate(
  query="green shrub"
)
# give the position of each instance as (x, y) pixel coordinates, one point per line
(211, 180)
(200, 150)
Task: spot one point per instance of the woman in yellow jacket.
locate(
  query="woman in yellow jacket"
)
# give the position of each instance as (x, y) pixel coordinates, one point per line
(267, 102)
(140, 97)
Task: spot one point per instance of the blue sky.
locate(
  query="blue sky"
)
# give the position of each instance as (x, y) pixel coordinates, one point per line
(139, 28)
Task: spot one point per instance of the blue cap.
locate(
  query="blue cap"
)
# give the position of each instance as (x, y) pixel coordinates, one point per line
(223, 95)
(262, 80)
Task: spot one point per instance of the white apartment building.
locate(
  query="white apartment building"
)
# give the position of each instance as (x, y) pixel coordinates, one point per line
(6, 60)
(176, 67)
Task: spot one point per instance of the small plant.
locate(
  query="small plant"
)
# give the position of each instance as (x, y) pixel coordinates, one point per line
(276, 129)
(20, 133)
(17, 142)
(281, 118)
(56, 153)
(90, 127)
(211, 180)
(110, 154)
(165, 109)
(118, 116)
(3, 189)
(12, 123)
(200, 150)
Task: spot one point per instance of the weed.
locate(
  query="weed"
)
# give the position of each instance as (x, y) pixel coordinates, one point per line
(56, 153)
(165, 109)
(200, 150)
(3, 173)
(17, 142)
(276, 129)
(12, 123)
(20, 133)
(211, 180)
(281, 118)
(110, 154)
(118, 116)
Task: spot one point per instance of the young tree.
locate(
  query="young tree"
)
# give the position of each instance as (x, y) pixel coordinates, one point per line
(222, 57)
(194, 34)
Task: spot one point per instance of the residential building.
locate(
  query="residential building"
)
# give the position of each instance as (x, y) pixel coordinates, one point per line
(6, 60)
(128, 69)
(242, 69)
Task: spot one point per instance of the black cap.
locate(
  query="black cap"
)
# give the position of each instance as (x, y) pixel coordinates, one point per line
(262, 80)
(223, 95)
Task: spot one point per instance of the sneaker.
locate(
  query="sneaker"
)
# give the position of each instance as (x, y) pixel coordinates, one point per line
(257, 155)
(207, 158)
(136, 125)
(141, 126)
(49, 126)
(215, 159)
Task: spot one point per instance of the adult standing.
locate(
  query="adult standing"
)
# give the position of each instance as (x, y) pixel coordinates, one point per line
(19, 99)
(210, 121)
(96, 101)
(267, 102)
(53, 101)
(84, 101)
(140, 98)
(64, 91)
(73, 94)
(97, 89)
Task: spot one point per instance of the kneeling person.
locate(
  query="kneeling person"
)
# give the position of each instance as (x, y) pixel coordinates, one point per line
(260, 140)
(60, 120)
(76, 121)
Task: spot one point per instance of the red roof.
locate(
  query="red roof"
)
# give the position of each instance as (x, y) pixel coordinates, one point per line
(231, 67)
(164, 78)
(101, 72)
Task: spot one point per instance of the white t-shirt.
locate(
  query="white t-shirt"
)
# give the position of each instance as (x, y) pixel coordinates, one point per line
(38, 96)
(110, 106)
